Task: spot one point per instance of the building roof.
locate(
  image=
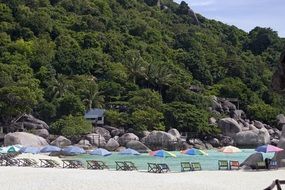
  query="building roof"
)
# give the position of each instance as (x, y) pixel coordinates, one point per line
(94, 113)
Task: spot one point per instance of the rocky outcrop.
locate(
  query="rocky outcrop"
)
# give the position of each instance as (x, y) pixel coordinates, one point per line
(138, 146)
(174, 132)
(125, 138)
(252, 160)
(27, 122)
(281, 155)
(112, 145)
(42, 133)
(83, 143)
(96, 139)
(229, 127)
(103, 132)
(25, 139)
(252, 138)
(228, 106)
(160, 139)
(61, 141)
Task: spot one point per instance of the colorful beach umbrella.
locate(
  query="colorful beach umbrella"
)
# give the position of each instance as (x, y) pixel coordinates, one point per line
(129, 151)
(194, 151)
(162, 153)
(71, 150)
(230, 149)
(268, 148)
(30, 149)
(50, 148)
(101, 152)
(9, 149)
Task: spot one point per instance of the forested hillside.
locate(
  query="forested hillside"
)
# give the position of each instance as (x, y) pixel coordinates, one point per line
(133, 58)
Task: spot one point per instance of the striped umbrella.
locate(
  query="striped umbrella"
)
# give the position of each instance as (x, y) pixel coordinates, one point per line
(230, 149)
(194, 151)
(162, 153)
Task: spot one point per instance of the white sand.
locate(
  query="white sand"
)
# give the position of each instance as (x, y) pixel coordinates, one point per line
(16, 178)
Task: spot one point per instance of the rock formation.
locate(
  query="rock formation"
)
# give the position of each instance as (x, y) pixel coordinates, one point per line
(25, 139)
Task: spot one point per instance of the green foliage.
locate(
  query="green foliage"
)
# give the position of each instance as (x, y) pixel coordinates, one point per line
(186, 117)
(148, 119)
(71, 126)
(62, 57)
(263, 112)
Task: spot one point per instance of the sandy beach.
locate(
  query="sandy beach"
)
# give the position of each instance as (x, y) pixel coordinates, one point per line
(16, 178)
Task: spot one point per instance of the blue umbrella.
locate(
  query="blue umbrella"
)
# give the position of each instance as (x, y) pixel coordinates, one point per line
(50, 148)
(71, 150)
(30, 149)
(101, 152)
(129, 151)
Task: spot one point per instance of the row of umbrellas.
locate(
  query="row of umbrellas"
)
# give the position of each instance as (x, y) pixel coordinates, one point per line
(128, 151)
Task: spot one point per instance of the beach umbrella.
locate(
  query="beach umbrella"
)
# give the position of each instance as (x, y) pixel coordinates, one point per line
(230, 149)
(71, 150)
(162, 153)
(101, 152)
(194, 151)
(9, 149)
(129, 151)
(268, 148)
(30, 149)
(50, 148)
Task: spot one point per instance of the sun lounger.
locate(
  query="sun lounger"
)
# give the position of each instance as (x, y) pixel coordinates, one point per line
(48, 163)
(96, 165)
(261, 165)
(8, 160)
(196, 166)
(26, 162)
(121, 166)
(186, 166)
(152, 167)
(276, 183)
(131, 166)
(234, 164)
(223, 164)
(163, 168)
(72, 164)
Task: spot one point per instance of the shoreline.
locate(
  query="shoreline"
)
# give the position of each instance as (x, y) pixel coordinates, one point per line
(18, 178)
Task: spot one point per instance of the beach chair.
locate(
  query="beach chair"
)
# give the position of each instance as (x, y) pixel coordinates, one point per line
(223, 164)
(48, 163)
(163, 168)
(152, 168)
(234, 164)
(196, 166)
(276, 183)
(261, 165)
(96, 165)
(121, 166)
(26, 162)
(186, 167)
(273, 164)
(130, 165)
(72, 164)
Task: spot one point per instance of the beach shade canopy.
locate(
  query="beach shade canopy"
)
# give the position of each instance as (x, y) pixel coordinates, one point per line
(101, 152)
(162, 153)
(230, 149)
(9, 149)
(30, 149)
(72, 150)
(194, 151)
(129, 151)
(50, 148)
(268, 148)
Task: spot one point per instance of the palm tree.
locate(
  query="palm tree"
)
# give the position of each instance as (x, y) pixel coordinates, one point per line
(135, 64)
(60, 86)
(92, 95)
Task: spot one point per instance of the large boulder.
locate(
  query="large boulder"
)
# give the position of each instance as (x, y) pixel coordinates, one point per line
(83, 143)
(237, 114)
(61, 141)
(258, 124)
(25, 139)
(112, 145)
(252, 160)
(280, 119)
(138, 146)
(228, 106)
(160, 139)
(229, 127)
(280, 156)
(216, 105)
(214, 142)
(103, 132)
(226, 140)
(174, 132)
(42, 133)
(252, 138)
(96, 139)
(125, 138)
(28, 122)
